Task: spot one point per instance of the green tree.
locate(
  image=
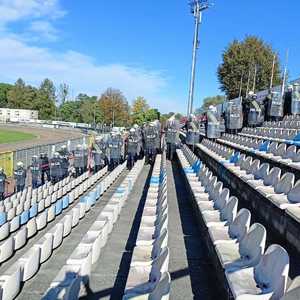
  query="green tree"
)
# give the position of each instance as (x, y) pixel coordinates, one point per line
(15, 96)
(90, 111)
(240, 60)
(114, 108)
(45, 101)
(4, 89)
(70, 111)
(152, 114)
(63, 92)
(215, 100)
(138, 110)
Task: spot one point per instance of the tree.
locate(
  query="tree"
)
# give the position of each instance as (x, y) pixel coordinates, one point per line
(138, 110)
(4, 89)
(241, 59)
(45, 101)
(63, 92)
(152, 114)
(70, 111)
(90, 111)
(16, 95)
(215, 100)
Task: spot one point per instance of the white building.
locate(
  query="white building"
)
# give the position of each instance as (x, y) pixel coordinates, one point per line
(17, 115)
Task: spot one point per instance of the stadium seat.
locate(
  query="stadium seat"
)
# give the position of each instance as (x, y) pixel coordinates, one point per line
(247, 253)
(6, 249)
(10, 282)
(45, 243)
(267, 280)
(235, 232)
(29, 263)
(57, 232)
(20, 237)
(5, 230)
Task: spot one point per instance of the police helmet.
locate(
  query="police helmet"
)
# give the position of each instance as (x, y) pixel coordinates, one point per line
(20, 164)
(56, 154)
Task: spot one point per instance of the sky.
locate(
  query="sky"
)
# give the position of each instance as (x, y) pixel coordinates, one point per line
(143, 48)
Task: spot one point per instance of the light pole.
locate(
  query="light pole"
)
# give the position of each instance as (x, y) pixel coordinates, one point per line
(197, 6)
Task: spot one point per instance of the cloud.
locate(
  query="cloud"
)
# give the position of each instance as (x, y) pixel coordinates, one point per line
(80, 71)
(44, 29)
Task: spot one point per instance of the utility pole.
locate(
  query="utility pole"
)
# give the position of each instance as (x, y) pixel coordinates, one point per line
(197, 6)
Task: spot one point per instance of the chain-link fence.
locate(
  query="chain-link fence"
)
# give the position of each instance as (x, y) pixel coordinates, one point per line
(25, 155)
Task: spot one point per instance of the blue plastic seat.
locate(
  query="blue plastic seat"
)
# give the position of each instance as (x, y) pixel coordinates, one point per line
(58, 207)
(65, 201)
(24, 217)
(2, 218)
(33, 210)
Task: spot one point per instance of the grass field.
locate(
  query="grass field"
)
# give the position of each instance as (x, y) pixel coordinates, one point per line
(9, 136)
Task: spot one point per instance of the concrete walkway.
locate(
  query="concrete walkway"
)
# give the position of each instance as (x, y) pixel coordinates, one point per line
(109, 274)
(192, 274)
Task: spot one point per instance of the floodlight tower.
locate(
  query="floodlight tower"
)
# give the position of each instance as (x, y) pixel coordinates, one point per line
(197, 6)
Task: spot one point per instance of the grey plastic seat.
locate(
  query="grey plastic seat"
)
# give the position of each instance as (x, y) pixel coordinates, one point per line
(254, 167)
(284, 201)
(143, 279)
(234, 232)
(289, 155)
(223, 217)
(265, 281)
(247, 253)
(293, 292)
(219, 203)
(270, 179)
(282, 187)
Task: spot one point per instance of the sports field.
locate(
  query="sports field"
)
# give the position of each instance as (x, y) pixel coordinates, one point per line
(11, 136)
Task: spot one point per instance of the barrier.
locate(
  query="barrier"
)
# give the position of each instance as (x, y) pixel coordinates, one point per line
(7, 162)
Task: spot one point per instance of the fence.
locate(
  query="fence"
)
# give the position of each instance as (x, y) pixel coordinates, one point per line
(25, 155)
(7, 162)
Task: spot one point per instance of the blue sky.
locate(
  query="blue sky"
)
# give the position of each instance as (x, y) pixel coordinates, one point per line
(141, 47)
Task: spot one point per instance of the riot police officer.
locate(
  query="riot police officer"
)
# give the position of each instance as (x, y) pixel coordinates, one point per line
(114, 145)
(64, 155)
(45, 167)
(295, 107)
(96, 156)
(132, 148)
(35, 172)
(213, 123)
(150, 136)
(2, 183)
(55, 168)
(78, 160)
(20, 176)
(85, 157)
(172, 136)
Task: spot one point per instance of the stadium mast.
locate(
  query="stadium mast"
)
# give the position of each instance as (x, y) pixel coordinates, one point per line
(197, 6)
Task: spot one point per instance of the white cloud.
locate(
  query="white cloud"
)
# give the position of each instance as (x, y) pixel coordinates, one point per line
(33, 64)
(16, 10)
(44, 29)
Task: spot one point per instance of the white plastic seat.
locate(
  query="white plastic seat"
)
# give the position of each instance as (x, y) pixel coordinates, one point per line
(267, 280)
(245, 254)
(20, 238)
(82, 256)
(67, 221)
(10, 282)
(48, 200)
(45, 243)
(293, 292)
(269, 180)
(94, 240)
(6, 249)
(143, 255)
(30, 263)
(50, 213)
(75, 213)
(41, 205)
(31, 228)
(143, 279)
(57, 232)
(41, 220)
(5, 230)
(223, 217)
(234, 232)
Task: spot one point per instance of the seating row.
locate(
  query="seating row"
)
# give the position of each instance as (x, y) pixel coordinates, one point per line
(148, 276)
(27, 265)
(17, 232)
(278, 152)
(19, 211)
(77, 270)
(272, 134)
(281, 190)
(288, 123)
(249, 271)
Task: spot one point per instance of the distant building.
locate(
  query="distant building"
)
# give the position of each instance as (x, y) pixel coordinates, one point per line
(17, 115)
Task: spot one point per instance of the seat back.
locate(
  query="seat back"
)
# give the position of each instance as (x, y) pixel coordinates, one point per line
(252, 246)
(240, 225)
(222, 199)
(273, 177)
(228, 213)
(162, 289)
(254, 167)
(293, 194)
(272, 148)
(293, 292)
(272, 271)
(290, 152)
(262, 172)
(216, 191)
(285, 184)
